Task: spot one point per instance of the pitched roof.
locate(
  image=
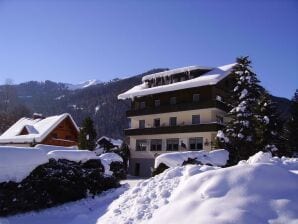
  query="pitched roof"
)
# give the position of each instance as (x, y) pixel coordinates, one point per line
(115, 142)
(37, 129)
(209, 78)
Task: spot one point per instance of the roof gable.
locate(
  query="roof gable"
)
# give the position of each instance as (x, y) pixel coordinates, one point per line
(26, 130)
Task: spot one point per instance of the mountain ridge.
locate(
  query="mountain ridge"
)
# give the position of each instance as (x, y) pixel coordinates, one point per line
(97, 100)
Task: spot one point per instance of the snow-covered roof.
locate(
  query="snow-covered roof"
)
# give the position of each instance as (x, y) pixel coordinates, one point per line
(38, 129)
(209, 78)
(115, 142)
(175, 71)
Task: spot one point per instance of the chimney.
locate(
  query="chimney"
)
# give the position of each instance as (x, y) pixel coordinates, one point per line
(38, 116)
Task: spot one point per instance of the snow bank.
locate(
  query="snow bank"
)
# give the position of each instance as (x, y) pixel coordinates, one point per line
(49, 148)
(16, 163)
(262, 190)
(217, 157)
(107, 159)
(73, 155)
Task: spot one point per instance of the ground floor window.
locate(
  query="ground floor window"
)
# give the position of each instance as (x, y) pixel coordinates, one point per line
(141, 145)
(172, 144)
(196, 143)
(155, 145)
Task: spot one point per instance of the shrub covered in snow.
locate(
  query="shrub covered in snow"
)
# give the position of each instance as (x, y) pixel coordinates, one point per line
(113, 165)
(17, 162)
(217, 157)
(53, 183)
(72, 155)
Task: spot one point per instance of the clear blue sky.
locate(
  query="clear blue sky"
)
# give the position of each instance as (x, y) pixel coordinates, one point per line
(72, 41)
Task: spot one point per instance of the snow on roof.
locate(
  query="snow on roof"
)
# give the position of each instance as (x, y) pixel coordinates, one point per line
(175, 71)
(115, 142)
(209, 78)
(37, 129)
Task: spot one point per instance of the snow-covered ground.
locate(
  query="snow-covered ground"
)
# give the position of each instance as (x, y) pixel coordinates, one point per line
(85, 211)
(260, 190)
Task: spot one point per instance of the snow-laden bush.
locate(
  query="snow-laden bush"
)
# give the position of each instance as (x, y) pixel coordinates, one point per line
(55, 182)
(16, 163)
(217, 157)
(113, 165)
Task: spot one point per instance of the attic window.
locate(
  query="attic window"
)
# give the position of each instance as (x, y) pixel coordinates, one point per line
(24, 131)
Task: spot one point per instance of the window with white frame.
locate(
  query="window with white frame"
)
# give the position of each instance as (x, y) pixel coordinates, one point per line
(156, 122)
(196, 143)
(196, 119)
(173, 121)
(141, 145)
(172, 144)
(155, 144)
(141, 123)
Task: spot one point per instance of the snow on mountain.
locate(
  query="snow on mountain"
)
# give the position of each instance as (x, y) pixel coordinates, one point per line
(83, 85)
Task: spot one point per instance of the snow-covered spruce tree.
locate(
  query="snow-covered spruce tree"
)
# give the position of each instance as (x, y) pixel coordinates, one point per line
(240, 134)
(292, 126)
(269, 127)
(87, 135)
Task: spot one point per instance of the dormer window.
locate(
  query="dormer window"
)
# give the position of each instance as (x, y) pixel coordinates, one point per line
(196, 97)
(173, 100)
(142, 105)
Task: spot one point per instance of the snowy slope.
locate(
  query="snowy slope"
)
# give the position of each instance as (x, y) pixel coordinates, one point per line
(83, 85)
(261, 190)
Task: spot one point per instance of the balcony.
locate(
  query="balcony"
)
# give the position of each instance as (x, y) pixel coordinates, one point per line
(174, 129)
(178, 107)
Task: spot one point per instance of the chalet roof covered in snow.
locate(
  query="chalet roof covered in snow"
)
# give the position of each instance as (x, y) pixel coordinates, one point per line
(211, 77)
(35, 129)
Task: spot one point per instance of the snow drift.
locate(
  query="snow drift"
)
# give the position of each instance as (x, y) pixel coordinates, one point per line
(217, 157)
(18, 162)
(260, 190)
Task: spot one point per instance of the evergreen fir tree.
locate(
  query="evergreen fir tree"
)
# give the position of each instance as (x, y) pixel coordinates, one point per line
(240, 134)
(269, 127)
(87, 135)
(292, 126)
(125, 154)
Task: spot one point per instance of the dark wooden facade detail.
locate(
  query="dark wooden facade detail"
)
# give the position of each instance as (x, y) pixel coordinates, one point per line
(65, 134)
(174, 129)
(184, 100)
(178, 107)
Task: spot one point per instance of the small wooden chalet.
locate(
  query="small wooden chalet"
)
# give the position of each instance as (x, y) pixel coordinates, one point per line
(59, 130)
(107, 143)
